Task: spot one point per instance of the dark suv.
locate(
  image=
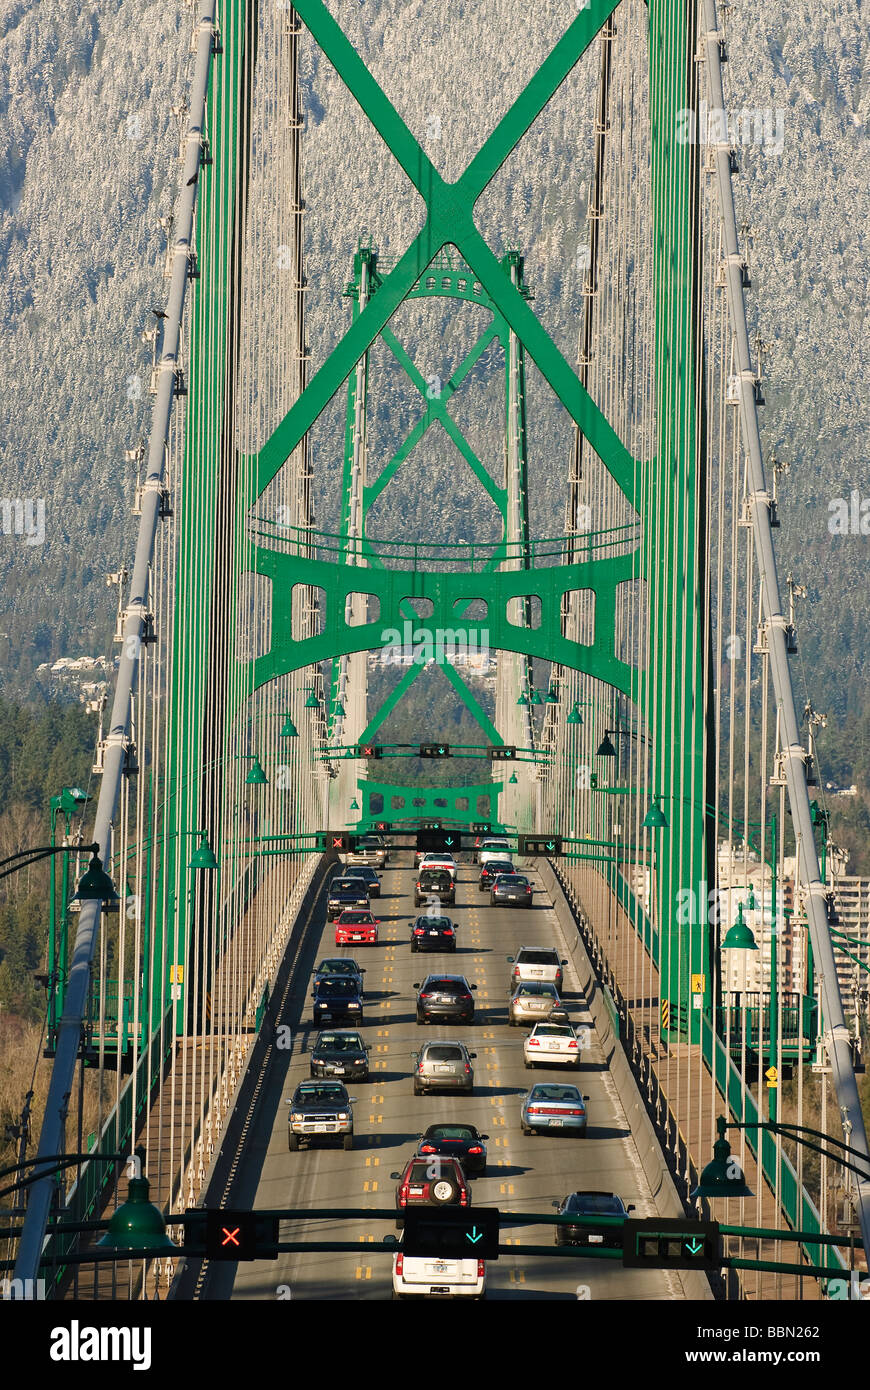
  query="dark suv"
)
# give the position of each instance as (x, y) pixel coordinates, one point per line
(320, 1109)
(436, 1181)
(433, 934)
(345, 893)
(434, 883)
(445, 999)
(335, 997)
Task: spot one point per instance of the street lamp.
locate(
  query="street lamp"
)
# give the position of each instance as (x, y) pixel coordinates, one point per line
(256, 777)
(714, 1183)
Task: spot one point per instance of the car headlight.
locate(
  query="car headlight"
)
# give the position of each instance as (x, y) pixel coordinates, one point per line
(343, 1115)
(295, 1116)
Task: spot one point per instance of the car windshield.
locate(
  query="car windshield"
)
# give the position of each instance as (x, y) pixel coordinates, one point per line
(356, 917)
(552, 1030)
(337, 988)
(532, 957)
(602, 1203)
(339, 1042)
(346, 885)
(535, 987)
(444, 1052)
(555, 1093)
(451, 1132)
(337, 967)
(319, 1094)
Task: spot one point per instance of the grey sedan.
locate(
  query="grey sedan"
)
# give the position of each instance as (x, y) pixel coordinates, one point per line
(534, 1000)
(551, 1106)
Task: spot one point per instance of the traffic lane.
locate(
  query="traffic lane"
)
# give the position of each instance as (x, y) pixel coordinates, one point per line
(532, 1171)
(325, 1175)
(523, 1174)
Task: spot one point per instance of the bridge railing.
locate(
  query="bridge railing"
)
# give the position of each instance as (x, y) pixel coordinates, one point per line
(475, 556)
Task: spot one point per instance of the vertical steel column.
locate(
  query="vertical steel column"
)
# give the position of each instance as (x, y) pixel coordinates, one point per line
(673, 684)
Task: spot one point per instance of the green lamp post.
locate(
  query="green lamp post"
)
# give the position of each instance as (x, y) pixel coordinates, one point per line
(724, 1176)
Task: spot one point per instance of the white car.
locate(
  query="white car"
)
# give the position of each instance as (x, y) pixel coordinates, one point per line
(493, 849)
(552, 1045)
(439, 861)
(429, 1276)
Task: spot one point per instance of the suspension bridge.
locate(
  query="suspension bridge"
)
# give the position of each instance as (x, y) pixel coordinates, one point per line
(638, 744)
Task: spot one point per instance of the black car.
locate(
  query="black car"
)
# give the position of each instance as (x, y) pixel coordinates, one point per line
(369, 878)
(459, 1141)
(340, 1053)
(445, 998)
(490, 872)
(433, 934)
(582, 1204)
(345, 893)
(337, 996)
(434, 883)
(512, 889)
(342, 967)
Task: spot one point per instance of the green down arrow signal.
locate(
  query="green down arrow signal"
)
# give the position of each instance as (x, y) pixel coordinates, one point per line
(474, 1235)
(695, 1246)
(551, 844)
(449, 840)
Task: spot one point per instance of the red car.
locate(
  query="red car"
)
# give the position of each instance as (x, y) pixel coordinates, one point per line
(435, 1181)
(356, 926)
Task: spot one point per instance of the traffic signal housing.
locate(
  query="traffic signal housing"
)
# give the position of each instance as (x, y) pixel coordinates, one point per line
(656, 1243)
(240, 1235)
(540, 844)
(435, 750)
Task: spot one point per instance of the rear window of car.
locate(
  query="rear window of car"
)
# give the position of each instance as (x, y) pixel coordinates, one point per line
(443, 982)
(566, 1093)
(542, 987)
(513, 878)
(443, 1052)
(595, 1202)
(433, 922)
(530, 956)
(451, 1132)
(552, 1030)
(497, 866)
(419, 1170)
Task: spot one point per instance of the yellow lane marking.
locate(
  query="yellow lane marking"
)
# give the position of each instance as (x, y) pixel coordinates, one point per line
(376, 1100)
(373, 1186)
(498, 1119)
(501, 1141)
(383, 1032)
(372, 1161)
(379, 1066)
(364, 1239)
(517, 1276)
(366, 1272)
(376, 1119)
(506, 1187)
(382, 1047)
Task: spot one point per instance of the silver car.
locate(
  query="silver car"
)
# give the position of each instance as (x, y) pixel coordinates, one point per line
(534, 1001)
(536, 963)
(443, 1066)
(550, 1106)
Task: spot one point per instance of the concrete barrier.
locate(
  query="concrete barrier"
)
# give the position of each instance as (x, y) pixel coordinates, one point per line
(664, 1192)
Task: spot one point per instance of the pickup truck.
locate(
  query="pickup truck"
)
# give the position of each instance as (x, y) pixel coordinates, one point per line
(369, 851)
(320, 1109)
